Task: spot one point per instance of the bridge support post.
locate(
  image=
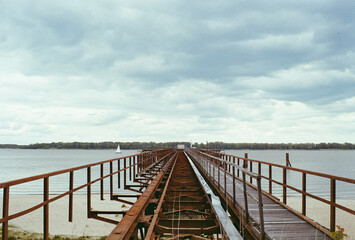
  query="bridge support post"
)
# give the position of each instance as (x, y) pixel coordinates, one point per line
(45, 208)
(245, 198)
(102, 181)
(88, 192)
(270, 179)
(260, 205)
(5, 212)
(111, 181)
(332, 207)
(233, 182)
(119, 173)
(71, 186)
(304, 181)
(284, 190)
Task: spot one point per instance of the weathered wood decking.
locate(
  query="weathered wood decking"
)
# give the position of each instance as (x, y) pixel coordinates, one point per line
(279, 222)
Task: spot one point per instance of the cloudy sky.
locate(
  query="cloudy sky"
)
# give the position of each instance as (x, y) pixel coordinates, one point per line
(232, 71)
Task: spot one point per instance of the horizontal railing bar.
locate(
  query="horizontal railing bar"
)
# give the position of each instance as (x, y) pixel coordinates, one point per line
(251, 174)
(19, 214)
(24, 212)
(50, 174)
(343, 179)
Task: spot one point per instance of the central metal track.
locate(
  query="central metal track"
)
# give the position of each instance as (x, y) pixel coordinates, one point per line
(175, 207)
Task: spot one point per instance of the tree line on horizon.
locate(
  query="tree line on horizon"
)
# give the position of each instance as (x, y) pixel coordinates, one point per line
(159, 145)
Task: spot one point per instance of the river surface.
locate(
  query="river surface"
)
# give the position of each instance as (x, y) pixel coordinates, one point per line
(20, 163)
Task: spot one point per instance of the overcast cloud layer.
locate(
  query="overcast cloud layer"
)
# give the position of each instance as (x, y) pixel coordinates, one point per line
(233, 71)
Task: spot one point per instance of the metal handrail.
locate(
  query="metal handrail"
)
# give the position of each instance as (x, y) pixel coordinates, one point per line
(332, 178)
(251, 174)
(140, 162)
(245, 172)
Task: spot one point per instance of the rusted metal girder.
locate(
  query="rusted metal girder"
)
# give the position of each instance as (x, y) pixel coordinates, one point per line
(184, 209)
(127, 226)
(174, 206)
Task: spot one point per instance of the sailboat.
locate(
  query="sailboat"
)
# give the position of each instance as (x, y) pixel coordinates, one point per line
(118, 150)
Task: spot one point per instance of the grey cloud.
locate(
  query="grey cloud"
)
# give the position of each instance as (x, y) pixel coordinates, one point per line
(220, 64)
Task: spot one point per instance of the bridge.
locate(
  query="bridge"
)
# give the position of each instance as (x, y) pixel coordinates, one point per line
(190, 194)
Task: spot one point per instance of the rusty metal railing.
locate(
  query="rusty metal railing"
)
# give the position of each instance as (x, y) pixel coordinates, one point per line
(132, 165)
(211, 162)
(248, 163)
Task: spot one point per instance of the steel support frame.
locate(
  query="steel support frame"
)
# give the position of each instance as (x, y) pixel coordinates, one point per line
(127, 226)
(236, 211)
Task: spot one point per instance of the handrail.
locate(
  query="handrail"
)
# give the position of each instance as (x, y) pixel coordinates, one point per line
(50, 174)
(332, 178)
(251, 174)
(208, 157)
(140, 162)
(343, 179)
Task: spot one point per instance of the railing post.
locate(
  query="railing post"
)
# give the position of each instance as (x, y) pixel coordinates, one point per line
(251, 170)
(111, 181)
(71, 186)
(270, 179)
(225, 180)
(260, 205)
(245, 162)
(88, 192)
(214, 168)
(124, 173)
(304, 188)
(130, 169)
(238, 163)
(5, 213)
(134, 168)
(245, 198)
(119, 174)
(141, 157)
(101, 181)
(234, 182)
(45, 208)
(259, 169)
(229, 166)
(284, 190)
(218, 168)
(332, 207)
(288, 163)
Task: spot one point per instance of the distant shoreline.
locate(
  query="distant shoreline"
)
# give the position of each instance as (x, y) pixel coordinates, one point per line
(159, 145)
(246, 149)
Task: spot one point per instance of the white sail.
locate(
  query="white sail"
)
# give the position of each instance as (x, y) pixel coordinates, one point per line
(118, 150)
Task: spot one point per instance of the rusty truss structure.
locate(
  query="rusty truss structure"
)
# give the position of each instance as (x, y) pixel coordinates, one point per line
(174, 206)
(190, 194)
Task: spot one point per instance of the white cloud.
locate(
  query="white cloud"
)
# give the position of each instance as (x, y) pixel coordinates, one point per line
(165, 71)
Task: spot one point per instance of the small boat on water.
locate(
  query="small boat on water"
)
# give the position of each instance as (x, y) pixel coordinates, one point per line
(118, 150)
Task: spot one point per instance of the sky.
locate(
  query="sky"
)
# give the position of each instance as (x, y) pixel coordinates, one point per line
(230, 70)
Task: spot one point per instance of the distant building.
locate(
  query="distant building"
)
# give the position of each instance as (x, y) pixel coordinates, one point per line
(180, 146)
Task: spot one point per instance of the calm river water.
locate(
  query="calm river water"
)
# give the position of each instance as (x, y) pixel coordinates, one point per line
(20, 163)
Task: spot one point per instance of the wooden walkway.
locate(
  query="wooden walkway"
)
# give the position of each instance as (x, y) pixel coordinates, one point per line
(279, 222)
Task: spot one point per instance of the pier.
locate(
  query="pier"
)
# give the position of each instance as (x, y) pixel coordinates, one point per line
(190, 194)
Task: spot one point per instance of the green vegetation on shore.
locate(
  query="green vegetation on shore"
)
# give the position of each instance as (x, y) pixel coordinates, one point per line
(155, 145)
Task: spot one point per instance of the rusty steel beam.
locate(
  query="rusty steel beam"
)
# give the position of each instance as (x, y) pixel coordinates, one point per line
(184, 209)
(174, 206)
(129, 222)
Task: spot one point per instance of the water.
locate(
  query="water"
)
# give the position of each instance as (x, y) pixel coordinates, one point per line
(20, 163)
(333, 162)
